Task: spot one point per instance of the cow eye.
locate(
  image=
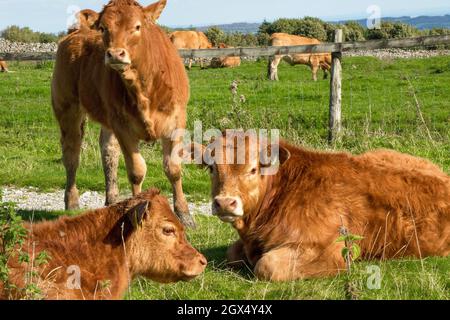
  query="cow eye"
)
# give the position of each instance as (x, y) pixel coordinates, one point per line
(169, 231)
(101, 29)
(254, 171)
(138, 27)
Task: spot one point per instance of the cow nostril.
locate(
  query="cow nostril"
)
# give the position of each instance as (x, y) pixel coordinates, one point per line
(122, 54)
(108, 54)
(203, 261)
(233, 203)
(217, 204)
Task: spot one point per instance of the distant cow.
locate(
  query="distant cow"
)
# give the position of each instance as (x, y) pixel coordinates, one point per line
(190, 40)
(3, 66)
(95, 255)
(86, 19)
(225, 62)
(315, 61)
(288, 211)
(134, 84)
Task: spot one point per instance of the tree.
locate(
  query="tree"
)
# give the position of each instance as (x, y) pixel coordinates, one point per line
(354, 31)
(17, 34)
(215, 35)
(390, 30)
(312, 28)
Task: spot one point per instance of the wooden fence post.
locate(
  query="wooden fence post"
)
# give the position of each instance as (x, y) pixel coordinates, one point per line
(336, 91)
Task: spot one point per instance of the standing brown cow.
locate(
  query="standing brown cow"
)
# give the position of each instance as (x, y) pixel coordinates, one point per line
(95, 255)
(127, 76)
(3, 66)
(315, 61)
(288, 216)
(190, 40)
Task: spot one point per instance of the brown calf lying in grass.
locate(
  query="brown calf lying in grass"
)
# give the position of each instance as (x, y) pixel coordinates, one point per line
(225, 62)
(288, 214)
(3, 66)
(97, 254)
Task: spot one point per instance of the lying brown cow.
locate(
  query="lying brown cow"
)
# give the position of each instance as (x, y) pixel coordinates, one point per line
(97, 254)
(288, 222)
(3, 66)
(225, 62)
(190, 40)
(127, 76)
(315, 61)
(86, 19)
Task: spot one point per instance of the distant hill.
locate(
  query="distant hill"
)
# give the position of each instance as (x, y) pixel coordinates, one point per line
(243, 27)
(421, 22)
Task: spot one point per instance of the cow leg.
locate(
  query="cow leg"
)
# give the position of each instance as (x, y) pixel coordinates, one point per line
(314, 69)
(135, 163)
(286, 264)
(71, 121)
(172, 169)
(273, 67)
(110, 150)
(325, 67)
(236, 255)
(190, 64)
(325, 73)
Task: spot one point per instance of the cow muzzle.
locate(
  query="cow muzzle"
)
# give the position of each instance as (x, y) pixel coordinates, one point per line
(196, 267)
(227, 209)
(117, 58)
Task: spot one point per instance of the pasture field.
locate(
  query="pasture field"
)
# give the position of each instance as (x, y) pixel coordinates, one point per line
(384, 103)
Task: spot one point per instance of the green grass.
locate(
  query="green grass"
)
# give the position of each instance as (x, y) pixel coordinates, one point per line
(405, 279)
(379, 111)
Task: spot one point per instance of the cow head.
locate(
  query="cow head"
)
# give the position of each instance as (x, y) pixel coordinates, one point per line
(240, 168)
(124, 24)
(158, 248)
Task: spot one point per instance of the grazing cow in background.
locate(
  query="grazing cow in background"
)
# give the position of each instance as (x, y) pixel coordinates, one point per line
(127, 76)
(315, 61)
(225, 62)
(289, 221)
(86, 19)
(95, 255)
(190, 40)
(3, 66)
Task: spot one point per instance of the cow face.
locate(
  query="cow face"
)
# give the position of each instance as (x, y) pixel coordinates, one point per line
(240, 173)
(124, 25)
(159, 249)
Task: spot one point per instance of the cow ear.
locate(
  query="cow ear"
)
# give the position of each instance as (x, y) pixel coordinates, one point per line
(153, 11)
(196, 153)
(91, 17)
(137, 214)
(284, 155)
(266, 158)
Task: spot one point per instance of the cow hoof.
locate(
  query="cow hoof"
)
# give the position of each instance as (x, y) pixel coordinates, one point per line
(187, 220)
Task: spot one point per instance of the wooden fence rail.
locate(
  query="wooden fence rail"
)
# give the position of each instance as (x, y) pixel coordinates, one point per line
(318, 48)
(271, 51)
(335, 48)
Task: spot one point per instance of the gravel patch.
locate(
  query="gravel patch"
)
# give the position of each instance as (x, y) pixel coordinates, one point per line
(31, 199)
(387, 54)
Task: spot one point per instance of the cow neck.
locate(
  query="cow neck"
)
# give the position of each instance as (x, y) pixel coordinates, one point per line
(92, 227)
(268, 192)
(138, 80)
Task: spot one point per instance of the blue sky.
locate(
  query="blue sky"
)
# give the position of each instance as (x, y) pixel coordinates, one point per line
(52, 15)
